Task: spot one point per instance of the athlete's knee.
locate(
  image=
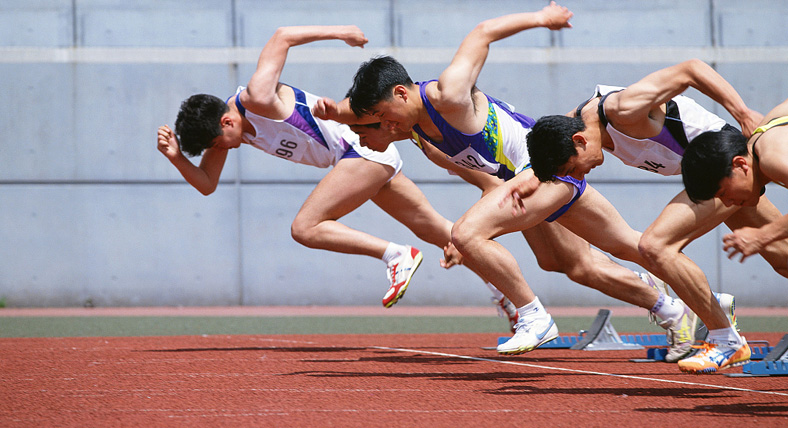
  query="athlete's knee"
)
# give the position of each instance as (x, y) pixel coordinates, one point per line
(303, 232)
(652, 249)
(464, 235)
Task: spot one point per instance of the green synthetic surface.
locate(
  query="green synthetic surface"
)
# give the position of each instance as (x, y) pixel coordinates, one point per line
(95, 326)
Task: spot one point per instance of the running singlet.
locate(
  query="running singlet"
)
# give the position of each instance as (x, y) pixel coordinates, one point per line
(684, 120)
(308, 140)
(499, 149)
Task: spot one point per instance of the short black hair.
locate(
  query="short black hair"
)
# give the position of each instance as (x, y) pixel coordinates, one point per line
(708, 159)
(550, 144)
(373, 83)
(199, 122)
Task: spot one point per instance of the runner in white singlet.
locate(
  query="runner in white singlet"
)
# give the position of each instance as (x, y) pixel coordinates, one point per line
(277, 119)
(650, 125)
(464, 130)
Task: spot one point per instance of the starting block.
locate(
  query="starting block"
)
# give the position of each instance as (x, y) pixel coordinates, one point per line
(775, 363)
(656, 355)
(601, 336)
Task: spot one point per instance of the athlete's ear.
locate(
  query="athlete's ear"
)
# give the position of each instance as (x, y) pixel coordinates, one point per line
(579, 139)
(740, 162)
(400, 91)
(226, 121)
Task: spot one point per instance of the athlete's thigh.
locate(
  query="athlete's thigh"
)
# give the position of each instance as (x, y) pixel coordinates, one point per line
(402, 199)
(682, 221)
(555, 247)
(490, 217)
(596, 220)
(350, 183)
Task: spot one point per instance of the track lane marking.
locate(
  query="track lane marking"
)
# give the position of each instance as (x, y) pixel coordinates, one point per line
(538, 366)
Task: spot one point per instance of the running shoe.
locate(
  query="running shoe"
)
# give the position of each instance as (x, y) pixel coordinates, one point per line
(680, 334)
(399, 272)
(506, 309)
(529, 334)
(728, 304)
(713, 357)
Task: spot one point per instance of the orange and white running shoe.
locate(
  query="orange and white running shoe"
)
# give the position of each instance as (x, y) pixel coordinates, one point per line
(399, 272)
(713, 357)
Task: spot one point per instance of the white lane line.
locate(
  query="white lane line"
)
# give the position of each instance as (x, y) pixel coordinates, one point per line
(538, 366)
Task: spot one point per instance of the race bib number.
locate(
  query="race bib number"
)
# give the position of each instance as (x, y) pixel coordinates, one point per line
(471, 159)
(285, 147)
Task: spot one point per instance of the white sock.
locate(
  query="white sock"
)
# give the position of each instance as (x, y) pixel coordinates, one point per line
(495, 292)
(533, 310)
(393, 251)
(667, 308)
(724, 336)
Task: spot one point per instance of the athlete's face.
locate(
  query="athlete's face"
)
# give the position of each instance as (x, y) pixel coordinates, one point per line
(373, 136)
(589, 156)
(739, 188)
(395, 114)
(232, 134)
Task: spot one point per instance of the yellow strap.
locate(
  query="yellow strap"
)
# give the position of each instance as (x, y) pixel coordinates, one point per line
(415, 137)
(777, 121)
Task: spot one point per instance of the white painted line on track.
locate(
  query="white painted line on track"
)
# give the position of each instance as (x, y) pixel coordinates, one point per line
(538, 366)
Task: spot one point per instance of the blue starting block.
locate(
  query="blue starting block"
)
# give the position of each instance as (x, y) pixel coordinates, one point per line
(602, 336)
(775, 363)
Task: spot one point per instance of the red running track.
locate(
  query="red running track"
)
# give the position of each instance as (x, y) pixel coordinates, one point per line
(435, 380)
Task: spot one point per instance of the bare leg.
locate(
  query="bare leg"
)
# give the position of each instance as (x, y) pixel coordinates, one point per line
(662, 243)
(474, 232)
(350, 183)
(407, 204)
(559, 250)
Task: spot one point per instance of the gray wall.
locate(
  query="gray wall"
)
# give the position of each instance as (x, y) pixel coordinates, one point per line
(89, 209)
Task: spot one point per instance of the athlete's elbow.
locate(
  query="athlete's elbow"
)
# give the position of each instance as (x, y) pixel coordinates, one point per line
(485, 32)
(205, 190)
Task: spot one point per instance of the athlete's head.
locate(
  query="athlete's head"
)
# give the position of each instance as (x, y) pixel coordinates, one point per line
(553, 150)
(199, 123)
(708, 164)
(377, 86)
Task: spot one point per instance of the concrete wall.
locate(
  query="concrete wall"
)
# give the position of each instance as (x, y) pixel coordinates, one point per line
(89, 210)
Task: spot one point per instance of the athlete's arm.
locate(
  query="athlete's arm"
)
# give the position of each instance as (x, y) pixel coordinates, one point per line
(205, 177)
(632, 105)
(328, 109)
(261, 92)
(747, 241)
(456, 82)
(485, 182)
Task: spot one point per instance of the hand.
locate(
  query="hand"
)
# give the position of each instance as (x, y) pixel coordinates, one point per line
(745, 241)
(516, 191)
(168, 143)
(354, 37)
(325, 108)
(750, 122)
(556, 17)
(451, 257)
